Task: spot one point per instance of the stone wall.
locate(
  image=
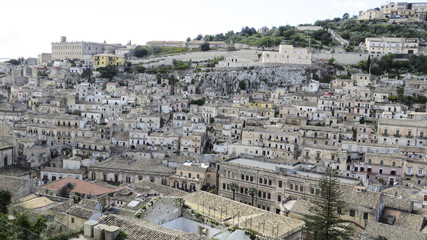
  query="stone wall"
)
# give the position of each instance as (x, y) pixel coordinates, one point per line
(162, 210)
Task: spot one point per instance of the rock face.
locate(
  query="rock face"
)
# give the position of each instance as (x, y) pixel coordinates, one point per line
(269, 78)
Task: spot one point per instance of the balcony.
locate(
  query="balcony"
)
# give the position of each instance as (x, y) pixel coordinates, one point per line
(385, 134)
(421, 175)
(397, 135)
(409, 136)
(409, 174)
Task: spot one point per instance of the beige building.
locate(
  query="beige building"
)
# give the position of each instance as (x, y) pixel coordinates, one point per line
(276, 183)
(194, 177)
(44, 58)
(79, 50)
(402, 132)
(370, 14)
(6, 154)
(287, 55)
(388, 45)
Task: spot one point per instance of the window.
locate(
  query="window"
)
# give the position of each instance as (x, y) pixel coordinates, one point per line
(365, 216)
(420, 171)
(409, 170)
(72, 220)
(301, 188)
(268, 195)
(339, 211)
(280, 183)
(352, 213)
(279, 198)
(291, 186)
(382, 162)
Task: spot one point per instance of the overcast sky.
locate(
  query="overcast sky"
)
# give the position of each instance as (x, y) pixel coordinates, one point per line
(29, 26)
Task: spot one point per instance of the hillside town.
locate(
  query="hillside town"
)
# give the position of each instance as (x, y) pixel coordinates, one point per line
(212, 139)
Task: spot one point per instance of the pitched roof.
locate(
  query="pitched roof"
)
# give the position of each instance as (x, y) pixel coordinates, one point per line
(376, 229)
(137, 229)
(80, 212)
(79, 186)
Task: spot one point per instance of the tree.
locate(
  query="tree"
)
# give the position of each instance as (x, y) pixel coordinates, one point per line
(205, 46)
(5, 200)
(13, 61)
(346, 16)
(87, 73)
(188, 39)
(233, 187)
(140, 52)
(324, 222)
(242, 85)
(252, 191)
(199, 37)
(108, 72)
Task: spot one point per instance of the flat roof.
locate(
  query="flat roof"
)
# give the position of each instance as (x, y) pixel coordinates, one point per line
(259, 164)
(288, 168)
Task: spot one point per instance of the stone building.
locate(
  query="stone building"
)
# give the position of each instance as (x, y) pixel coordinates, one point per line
(119, 170)
(275, 183)
(287, 55)
(79, 50)
(6, 154)
(194, 177)
(392, 45)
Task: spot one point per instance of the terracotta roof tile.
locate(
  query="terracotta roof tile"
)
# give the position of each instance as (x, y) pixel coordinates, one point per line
(79, 186)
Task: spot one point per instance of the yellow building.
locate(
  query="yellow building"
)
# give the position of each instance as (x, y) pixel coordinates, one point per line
(103, 60)
(260, 105)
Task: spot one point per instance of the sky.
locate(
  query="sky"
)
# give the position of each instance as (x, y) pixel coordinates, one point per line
(28, 27)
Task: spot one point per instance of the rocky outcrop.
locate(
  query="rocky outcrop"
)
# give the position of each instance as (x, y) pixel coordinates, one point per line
(268, 78)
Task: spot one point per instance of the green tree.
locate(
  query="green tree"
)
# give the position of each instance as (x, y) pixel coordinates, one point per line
(242, 85)
(205, 46)
(108, 72)
(324, 222)
(5, 200)
(252, 191)
(233, 187)
(199, 37)
(13, 61)
(188, 39)
(346, 16)
(87, 74)
(122, 235)
(140, 52)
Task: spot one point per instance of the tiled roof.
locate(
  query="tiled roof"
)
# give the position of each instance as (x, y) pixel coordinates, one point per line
(137, 229)
(12, 184)
(264, 222)
(134, 165)
(80, 212)
(389, 232)
(149, 187)
(80, 186)
(355, 198)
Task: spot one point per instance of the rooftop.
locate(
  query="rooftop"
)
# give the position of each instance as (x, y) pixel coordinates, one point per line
(79, 186)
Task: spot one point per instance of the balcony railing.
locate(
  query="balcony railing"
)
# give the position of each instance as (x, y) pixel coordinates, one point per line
(420, 174)
(397, 135)
(409, 174)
